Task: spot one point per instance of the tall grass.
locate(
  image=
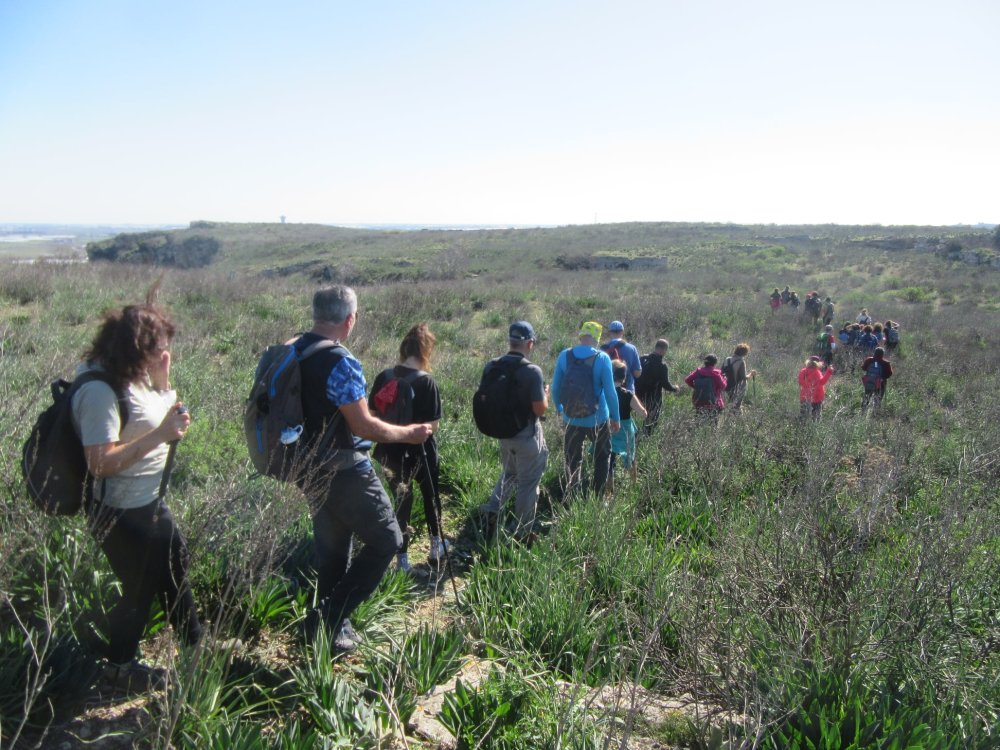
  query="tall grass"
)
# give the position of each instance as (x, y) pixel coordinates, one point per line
(804, 585)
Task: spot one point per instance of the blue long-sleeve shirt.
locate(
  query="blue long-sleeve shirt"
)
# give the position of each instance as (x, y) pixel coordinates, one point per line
(604, 387)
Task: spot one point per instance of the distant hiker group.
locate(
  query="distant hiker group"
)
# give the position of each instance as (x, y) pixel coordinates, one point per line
(815, 307)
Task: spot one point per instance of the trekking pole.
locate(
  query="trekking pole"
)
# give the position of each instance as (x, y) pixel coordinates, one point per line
(168, 468)
(440, 525)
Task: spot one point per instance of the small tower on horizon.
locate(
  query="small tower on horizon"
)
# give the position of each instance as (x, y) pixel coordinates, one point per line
(282, 218)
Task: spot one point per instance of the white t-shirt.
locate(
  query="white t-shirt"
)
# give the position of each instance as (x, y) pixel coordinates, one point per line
(95, 416)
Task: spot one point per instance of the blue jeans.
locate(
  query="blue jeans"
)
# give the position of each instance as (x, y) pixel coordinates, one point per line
(355, 504)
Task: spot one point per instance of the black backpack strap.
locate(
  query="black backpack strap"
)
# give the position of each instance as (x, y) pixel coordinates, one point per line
(90, 376)
(412, 377)
(318, 346)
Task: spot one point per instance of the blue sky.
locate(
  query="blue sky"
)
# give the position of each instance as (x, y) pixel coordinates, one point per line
(114, 111)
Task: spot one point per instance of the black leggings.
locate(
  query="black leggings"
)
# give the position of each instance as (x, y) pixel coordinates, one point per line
(148, 554)
(420, 466)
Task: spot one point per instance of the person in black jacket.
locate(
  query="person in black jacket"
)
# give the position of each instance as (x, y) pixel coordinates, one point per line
(654, 380)
(405, 463)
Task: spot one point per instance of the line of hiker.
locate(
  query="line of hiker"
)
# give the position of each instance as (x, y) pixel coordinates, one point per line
(311, 420)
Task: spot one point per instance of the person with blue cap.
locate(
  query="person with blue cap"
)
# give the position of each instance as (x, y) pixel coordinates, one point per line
(524, 455)
(618, 348)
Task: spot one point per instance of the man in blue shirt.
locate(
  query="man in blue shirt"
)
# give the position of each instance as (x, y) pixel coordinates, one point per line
(626, 352)
(583, 390)
(345, 495)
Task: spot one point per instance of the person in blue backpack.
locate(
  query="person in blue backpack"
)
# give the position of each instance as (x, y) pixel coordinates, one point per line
(618, 348)
(875, 371)
(583, 390)
(867, 341)
(405, 463)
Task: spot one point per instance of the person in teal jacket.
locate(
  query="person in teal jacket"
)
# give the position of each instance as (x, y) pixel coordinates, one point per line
(589, 413)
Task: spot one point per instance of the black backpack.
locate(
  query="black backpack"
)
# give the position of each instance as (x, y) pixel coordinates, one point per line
(273, 421)
(52, 460)
(727, 372)
(577, 391)
(704, 390)
(393, 401)
(495, 406)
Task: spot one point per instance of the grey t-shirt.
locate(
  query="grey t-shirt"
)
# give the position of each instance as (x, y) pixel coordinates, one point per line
(95, 416)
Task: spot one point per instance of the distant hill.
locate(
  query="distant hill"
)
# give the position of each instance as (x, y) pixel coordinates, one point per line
(368, 255)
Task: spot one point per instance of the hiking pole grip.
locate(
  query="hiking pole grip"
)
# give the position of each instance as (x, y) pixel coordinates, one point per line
(168, 467)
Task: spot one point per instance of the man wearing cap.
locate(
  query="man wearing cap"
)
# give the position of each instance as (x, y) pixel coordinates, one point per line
(590, 413)
(626, 352)
(522, 457)
(655, 379)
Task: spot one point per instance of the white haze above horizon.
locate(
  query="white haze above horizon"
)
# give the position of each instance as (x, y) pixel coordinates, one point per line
(527, 113)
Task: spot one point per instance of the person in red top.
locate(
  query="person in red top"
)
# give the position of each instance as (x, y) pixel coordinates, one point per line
(707, 384)
(812, 388)
(875, 370)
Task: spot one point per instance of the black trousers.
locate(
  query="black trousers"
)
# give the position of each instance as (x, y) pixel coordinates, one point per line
(148, 554)
(405, 465)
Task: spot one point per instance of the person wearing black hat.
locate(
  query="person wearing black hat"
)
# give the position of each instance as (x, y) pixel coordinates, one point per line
(523, 457)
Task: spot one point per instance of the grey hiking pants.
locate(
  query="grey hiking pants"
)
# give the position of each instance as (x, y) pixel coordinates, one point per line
(355, 505)
(523, 458)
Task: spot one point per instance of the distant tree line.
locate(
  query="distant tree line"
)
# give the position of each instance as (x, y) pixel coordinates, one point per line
(156, 249)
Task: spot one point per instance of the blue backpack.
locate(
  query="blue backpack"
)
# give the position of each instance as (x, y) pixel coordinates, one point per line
(578, 396)
(872, 378)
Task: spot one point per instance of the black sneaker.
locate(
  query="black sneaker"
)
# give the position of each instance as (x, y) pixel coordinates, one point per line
(346, 639)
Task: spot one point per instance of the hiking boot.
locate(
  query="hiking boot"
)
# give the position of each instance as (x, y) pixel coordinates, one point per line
(439, 549)
(403, 563)
(133, 676)
(346, 639)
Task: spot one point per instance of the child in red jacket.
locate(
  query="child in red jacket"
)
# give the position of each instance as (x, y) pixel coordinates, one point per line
(812, 388)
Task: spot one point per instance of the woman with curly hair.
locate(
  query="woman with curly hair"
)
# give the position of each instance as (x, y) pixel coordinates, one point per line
(127, 418)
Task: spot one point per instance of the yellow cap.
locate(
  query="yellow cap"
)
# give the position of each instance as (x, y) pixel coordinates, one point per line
(590, 328)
